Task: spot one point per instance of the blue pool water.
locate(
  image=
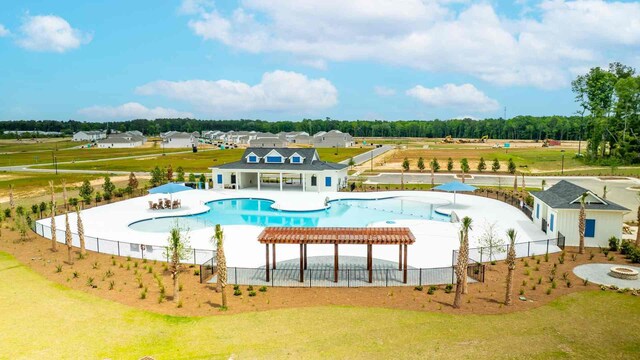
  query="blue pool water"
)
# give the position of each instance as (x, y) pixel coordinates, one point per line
(348, 213)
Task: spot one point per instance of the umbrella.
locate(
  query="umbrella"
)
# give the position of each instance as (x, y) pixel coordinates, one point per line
(455, 186)
(169, 188)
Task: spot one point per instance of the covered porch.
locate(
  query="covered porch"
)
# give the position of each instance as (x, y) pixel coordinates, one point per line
(268, 180)
(402, 237)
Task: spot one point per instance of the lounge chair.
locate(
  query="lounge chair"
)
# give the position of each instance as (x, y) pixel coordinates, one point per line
(150, 205)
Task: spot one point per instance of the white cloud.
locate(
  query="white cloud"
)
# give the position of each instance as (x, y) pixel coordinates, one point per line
(4, 31)
(131, 110)
(190, 7)
(536, 47)
(384, 91)
(465, 97)
(277, 91)
(50, 33)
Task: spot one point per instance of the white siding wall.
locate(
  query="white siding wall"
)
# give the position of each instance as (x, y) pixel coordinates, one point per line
(608, 224)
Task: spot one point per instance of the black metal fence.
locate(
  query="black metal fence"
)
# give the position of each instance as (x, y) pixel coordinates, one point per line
(122, 248)
(523, 249)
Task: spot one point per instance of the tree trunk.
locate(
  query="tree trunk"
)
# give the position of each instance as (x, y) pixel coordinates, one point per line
(54, 241)
(83, 250)
(68, 238)
(176, 288)
(458, 299)
(508, 295)
(638, 231)
(224, 296)
(515, 182)
(581, 228)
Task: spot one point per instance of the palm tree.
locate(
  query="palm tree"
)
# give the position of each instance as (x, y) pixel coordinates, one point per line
(638, 231)
(54, 241)
(582, 219)
(83, 250)
(68, 240)
(463, 260)
(221, 265)
(511, 264)
(466, 226)
(515, 182)
(178, 248)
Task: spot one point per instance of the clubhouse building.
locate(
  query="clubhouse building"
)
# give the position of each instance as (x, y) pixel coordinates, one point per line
(271, 168)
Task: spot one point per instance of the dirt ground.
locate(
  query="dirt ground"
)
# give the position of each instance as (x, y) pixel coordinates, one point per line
(531, 276)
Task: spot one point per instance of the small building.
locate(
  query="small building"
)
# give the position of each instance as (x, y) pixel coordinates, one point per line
(557, 210)
(273, 142)
(332, 139)
(127, 139)
(174, 139)
(89, 135)
(280, 169)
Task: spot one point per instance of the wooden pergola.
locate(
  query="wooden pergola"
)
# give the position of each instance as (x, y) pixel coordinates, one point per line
(337, 236)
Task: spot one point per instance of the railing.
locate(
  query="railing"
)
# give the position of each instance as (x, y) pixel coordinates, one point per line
(523, 249)
(508, 198)
(122, 248)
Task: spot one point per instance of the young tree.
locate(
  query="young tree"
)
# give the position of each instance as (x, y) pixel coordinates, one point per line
(133, 183)
(464, 166)
(68, 238)
(157, 177)
(221, 264)
(482, 166)
(405, 164)
(352, 163)
(86, 190)
(463, 260)
(12, 203)
(34, 209)
(54, 241)
(64, 194)
(543, 184)
(202, 180)
(511, 264)
(434, 165)
(582, 219)
(192, 178)
(420, 164)
(449, 164)
(511, 166)
(490, 242)
(170, 173)
(495, 166)
(83, 250)
(42, 208)
(180, 176)
(177, 248)
(107, 188)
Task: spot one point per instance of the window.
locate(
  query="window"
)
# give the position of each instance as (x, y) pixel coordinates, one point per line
(296, 160)
(274, 159)
(551, 222)
(219, 178)
(537, 211)
(253, 159)
(314, 180)
(590, 228)
(327, 181)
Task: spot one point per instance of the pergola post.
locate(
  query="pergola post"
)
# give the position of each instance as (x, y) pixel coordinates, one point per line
(404, 271)
(304, 182)
(267, 264)
(259, 180)
(305, 256)
(237, 180)
(280, 181)
(301, 263)
(274, 255)
(370, 262)
(335, 262)
(400, 257)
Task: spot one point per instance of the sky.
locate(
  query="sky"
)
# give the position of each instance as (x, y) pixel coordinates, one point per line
(289, 60)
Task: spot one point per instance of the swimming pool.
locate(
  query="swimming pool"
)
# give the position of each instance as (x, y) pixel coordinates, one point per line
(258, 212)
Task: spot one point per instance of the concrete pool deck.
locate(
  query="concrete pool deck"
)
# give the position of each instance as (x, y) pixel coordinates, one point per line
(599, 274)
(435, 240)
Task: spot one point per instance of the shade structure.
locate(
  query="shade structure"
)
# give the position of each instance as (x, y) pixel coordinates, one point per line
(454, 187)
(169, 188)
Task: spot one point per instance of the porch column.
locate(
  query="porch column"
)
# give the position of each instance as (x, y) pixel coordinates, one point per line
(280, 181)
(267, 264)
(305, 256)
(399, 257)
(273, 247)
(237, 180)
(335, 262)
(304, 182)
(404, 270)
(370, 262)
(259, 181)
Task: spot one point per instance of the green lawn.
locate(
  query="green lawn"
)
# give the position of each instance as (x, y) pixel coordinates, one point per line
(37, 145)
(194, 162)
(43, 320)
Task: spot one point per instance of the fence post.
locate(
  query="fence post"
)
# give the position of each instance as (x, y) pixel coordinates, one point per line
(118, 247)
(194, 256)
(528, 248)
(98, 244)
(386, 277)
(420, 281)
(547, 246)
(348, 278)
(235, 272)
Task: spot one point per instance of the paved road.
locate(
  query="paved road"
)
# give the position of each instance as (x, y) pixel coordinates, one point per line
(617, 190)
(359, 159)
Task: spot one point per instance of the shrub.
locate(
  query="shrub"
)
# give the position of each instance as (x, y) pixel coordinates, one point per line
(432, 289)
(236, 287)
(546, 257)
(493, 262)
(553, 284)
(95, 265)
(591, 255)
(611, 258)
(533, 287)
(196, 272)
(143, 294)
(549, 291)
(605, 252)
(112, 284)
(521, 291)
(634, 255)
(7, 213)
(585, 282)
(58, 268)
(249, 288)
(448, 288)
(418, 288)
(561, 258)
(237, 292)
(626, 247)
(76, 274)
(568, 283)
(614, 243)
(89, 281)
(252, 293)
(574, 257)
(539, 280)
(524, 282)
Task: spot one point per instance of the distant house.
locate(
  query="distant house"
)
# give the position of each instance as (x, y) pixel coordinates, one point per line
(127, 139)
(267, 142)
(333, 138)
(174, 139)
(281, 168)
(557, 209)
(303, 139)
(89, 135)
